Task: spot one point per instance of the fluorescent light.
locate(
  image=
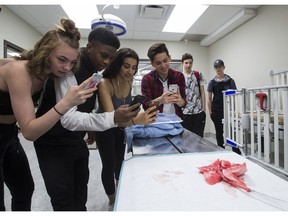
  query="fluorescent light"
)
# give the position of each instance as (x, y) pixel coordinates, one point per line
(182, 17)
(81, 14)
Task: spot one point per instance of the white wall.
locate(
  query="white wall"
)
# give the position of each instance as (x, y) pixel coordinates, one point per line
(16, 31)
(252, 50)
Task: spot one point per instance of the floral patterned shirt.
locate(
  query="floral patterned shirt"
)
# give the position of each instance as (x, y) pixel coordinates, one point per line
(193, 96)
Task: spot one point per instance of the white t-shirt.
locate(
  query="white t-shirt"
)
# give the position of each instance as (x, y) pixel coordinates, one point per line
(80, 121)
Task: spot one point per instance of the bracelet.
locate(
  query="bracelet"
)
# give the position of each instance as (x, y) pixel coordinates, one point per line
(133, 121)
(57, 111)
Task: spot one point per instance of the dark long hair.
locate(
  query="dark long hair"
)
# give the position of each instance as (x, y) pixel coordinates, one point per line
(113, 69)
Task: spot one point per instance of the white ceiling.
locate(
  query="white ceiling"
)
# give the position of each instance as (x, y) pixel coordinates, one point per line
(139, 25)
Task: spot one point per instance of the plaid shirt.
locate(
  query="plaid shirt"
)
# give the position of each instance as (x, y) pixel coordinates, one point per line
(152, 87)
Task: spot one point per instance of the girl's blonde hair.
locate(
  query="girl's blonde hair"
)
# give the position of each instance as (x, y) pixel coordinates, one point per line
(38, 58)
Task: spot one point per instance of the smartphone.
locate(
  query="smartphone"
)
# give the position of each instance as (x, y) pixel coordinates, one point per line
(138, 99)
(153, 103)
(173, 88)
(95, 80)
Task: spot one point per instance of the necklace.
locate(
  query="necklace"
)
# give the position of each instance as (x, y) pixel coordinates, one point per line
(122, 93)
(119, 89)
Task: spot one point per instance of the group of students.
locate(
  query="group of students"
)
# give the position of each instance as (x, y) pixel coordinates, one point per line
(57, 68)
(189, 102)
(59, 71)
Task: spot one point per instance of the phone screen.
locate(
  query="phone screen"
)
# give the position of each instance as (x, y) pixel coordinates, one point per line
(138, 99)
(96, 79)
(173, 88)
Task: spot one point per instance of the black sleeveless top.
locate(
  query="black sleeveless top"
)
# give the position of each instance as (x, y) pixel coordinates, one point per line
(5, 102)
(117, 102)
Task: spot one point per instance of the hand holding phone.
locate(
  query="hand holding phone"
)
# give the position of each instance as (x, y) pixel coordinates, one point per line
(138, 99)
(153, 103)
(95, 80)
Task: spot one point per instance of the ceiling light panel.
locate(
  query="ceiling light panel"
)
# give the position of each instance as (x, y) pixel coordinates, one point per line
(82, 21)
(183, 16)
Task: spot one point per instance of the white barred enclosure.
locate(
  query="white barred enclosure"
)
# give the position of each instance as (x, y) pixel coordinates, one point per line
(256, 121)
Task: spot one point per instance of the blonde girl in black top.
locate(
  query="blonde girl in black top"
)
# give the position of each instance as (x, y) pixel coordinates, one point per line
(56, 53)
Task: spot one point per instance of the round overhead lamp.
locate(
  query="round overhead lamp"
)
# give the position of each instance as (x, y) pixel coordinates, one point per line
(114, 23)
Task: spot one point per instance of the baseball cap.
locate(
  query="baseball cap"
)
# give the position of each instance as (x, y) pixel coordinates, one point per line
(218, 63)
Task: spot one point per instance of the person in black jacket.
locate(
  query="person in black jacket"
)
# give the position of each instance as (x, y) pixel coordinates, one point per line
(216, 86)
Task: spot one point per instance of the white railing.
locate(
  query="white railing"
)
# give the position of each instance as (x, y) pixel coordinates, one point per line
(279, 76)
(256, 121)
